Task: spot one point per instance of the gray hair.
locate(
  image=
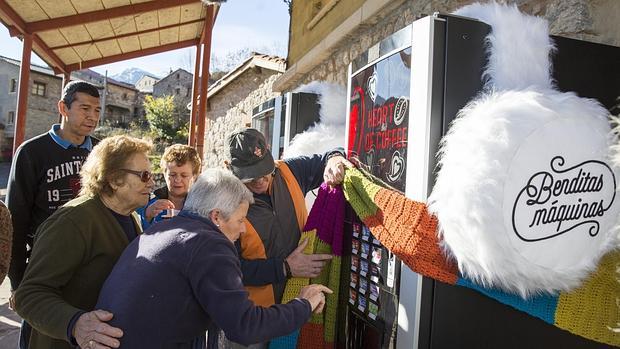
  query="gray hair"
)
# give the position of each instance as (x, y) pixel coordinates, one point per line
(217, 189)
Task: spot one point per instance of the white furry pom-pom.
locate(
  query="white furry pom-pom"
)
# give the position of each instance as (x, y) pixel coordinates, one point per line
(474, 193)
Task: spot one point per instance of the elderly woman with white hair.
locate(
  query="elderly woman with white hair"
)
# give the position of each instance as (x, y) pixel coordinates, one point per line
(182, 277)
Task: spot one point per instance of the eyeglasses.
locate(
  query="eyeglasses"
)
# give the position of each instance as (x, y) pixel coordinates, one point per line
(256, 180)
(145, 176)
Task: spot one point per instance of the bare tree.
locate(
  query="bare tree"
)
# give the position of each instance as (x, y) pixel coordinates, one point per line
(290, 5)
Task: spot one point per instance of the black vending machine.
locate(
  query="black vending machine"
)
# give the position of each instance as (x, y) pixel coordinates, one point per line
(403, 94)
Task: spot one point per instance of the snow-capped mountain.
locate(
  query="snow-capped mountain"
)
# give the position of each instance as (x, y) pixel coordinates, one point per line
(131, 75)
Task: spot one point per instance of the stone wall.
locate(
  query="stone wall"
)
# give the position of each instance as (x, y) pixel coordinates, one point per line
(590, 20)
(231, 108)
(145, 84)
(121, 102)
(177, 84)
(8, 100)
(43, 110)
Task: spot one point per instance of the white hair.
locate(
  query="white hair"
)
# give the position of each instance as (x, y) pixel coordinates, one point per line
(217, 189)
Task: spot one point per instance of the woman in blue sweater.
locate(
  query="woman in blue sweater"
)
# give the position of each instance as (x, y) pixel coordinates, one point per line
(181, 165)
(182, 277)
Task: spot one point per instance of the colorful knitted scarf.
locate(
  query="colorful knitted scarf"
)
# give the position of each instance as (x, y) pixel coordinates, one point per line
(324, 231)
(407, 229)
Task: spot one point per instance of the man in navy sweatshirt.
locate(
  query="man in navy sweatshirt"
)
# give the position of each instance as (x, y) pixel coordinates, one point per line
(45, 174)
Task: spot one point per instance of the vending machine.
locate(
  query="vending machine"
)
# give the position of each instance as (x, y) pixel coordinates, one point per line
(403, 94)
(283, 117)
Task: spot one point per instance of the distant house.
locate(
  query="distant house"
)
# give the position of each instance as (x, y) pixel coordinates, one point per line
(178, 84)
(122, 102)
(145, 83)
(42, 111)
(232, 98)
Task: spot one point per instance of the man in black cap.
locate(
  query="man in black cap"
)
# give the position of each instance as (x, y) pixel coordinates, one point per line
(270, 250)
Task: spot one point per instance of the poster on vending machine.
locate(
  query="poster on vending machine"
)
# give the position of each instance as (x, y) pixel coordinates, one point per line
(379, 117)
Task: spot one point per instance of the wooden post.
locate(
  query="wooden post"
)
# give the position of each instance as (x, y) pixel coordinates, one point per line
(66, 78)
(204, 83)
(195, 90)
(22, 95)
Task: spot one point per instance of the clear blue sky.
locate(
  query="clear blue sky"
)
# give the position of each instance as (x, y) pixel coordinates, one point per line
(258, 25)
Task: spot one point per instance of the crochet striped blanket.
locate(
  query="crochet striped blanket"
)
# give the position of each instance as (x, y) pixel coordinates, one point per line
(407, 229)
(324, 231)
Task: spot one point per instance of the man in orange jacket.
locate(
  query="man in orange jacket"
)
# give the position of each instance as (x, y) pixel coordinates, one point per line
(269, 250)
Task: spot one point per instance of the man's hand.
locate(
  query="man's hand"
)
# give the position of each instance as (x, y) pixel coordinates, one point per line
(156, 208)
(334, 170)
(91, 331)
(306, 265)
(315, 295)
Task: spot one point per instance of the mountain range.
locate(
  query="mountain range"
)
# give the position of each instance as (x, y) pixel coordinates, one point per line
(132, 75)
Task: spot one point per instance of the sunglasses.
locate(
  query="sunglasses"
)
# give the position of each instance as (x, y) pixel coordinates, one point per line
(145, 176)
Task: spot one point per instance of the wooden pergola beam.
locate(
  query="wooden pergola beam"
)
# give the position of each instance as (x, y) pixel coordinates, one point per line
(210, 17)
(18, 22)
(126, 35)
(191, 141)
(57, 64)
(204, 80)
(94, 16)
(131, 55)
(22, 93)
(18, 27)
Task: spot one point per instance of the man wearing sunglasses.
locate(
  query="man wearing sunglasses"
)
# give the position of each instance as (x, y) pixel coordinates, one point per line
(270, 251)
(45, 173)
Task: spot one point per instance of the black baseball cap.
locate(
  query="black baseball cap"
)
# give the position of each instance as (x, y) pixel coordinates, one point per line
(250, 157)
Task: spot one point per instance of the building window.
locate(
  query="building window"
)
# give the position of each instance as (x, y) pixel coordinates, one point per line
(13, 85)
(38, 88)
(177, 91)
(178, 76)
(10, 120)
(124, 96)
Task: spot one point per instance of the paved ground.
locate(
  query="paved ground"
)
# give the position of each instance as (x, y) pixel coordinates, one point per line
(9, 321)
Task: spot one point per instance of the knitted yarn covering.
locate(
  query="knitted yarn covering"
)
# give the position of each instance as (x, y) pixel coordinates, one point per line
(324, 229)
(409, 231)
(403, 226)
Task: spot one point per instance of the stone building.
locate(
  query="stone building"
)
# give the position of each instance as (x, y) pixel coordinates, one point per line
(123, 105)
(145, 83)
(42, 111)
(177, 83)
(232, 98)
(326, 35)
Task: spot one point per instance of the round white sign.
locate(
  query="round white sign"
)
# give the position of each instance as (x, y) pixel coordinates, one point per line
(560, 195)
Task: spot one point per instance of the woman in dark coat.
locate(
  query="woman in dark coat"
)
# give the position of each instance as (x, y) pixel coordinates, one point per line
(183, 277)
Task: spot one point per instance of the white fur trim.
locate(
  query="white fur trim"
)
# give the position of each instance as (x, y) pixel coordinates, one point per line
(475, 159)
(329, 132)
(519, 47)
